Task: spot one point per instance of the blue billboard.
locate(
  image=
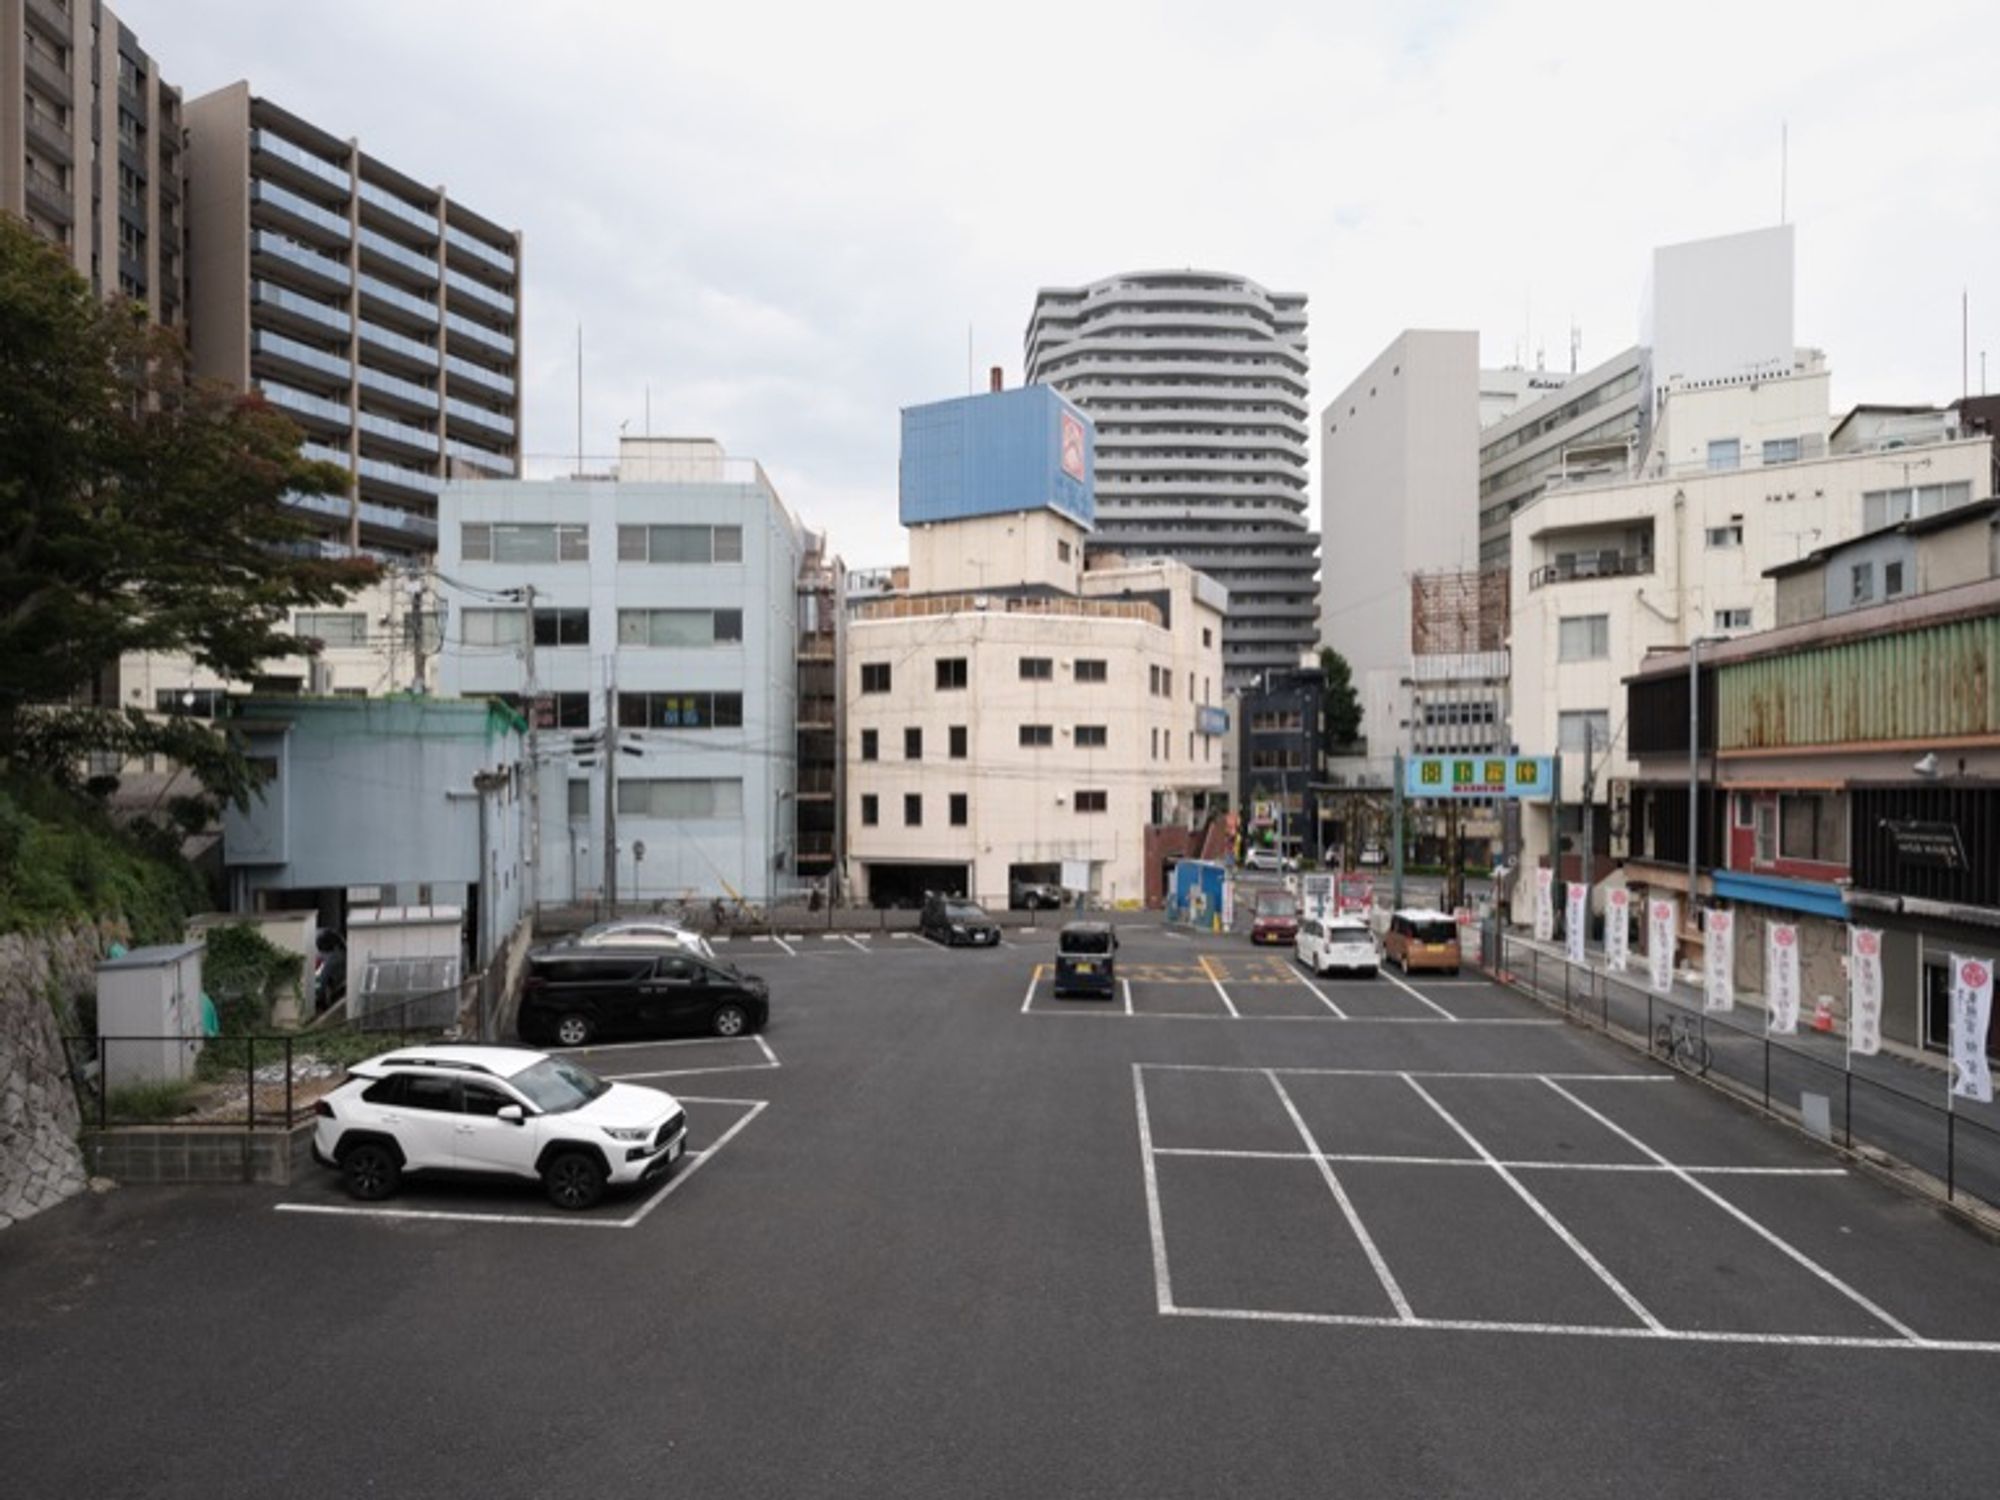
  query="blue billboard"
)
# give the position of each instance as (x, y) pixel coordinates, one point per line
(1527, 776)
(1018, 450)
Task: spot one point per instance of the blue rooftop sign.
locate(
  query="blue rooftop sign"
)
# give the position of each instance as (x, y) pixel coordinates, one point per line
(1018, 450)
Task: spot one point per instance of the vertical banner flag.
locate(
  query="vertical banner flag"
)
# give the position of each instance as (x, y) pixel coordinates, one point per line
(1618, 927)
(1781, 978)
(1545, 910)
(1660, 923)
(1576, 896)
(1971, 1009)
(1864, 991)
(1718, 987)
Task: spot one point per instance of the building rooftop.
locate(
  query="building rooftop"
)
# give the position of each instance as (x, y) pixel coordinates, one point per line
(1959, 515)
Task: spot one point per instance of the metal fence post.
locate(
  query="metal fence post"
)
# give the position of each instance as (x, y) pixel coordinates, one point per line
(250, 1080)
(1604, 1001)
(1849, 1137)
(1767, 1075)
(1566, 969)
(1535, 972)
(1950, 1155)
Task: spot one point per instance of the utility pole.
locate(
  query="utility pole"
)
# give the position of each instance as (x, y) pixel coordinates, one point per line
(532, 697)
(1694, 765)
(610, 746)
(1589, 819)
(1396, 833)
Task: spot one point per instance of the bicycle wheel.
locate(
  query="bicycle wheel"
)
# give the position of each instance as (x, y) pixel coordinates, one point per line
(1663, 1040)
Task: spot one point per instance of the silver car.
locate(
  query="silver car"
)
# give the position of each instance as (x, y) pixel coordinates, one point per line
(644, 932)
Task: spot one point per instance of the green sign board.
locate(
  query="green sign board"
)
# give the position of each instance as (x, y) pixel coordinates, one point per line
(1518, 776)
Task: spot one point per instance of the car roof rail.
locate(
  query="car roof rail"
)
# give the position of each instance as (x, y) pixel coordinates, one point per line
(454, 1064)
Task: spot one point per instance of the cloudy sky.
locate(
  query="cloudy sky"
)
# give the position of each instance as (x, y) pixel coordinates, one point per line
(783, 218)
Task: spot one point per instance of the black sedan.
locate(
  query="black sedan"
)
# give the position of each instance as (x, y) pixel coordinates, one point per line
(954, 921)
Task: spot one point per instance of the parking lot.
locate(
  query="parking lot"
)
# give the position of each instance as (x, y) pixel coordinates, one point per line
(946, 1236)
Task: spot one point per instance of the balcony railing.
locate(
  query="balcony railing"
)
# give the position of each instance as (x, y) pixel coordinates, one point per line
(479, 416)
(815, 710)
(396, 343)
(263, 242)
(269, 294)
(50, 74)
(277, 346)
(908, 608)
(479, 292)
(396, 386)
(500, 260)
(284, 201)
(479, 375)
(394, 206)
(479, 333)
(381, 291)
(316, 166)
(1592, 565)
(306, 404)
(410, 260)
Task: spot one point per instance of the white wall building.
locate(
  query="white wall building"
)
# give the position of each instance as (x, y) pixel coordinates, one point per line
(671, 601)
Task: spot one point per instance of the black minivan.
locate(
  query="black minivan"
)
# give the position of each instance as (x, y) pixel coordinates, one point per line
(1086, 960)
(574, 996)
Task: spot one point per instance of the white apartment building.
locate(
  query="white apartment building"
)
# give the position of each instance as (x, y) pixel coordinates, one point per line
(1197, 384)
(1740, 480)
(663, 612)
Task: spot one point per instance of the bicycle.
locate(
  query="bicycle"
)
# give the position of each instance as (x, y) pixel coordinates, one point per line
(1682, 1041)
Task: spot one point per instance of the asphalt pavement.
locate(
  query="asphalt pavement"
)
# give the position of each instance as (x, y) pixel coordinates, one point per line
(1261, 1235)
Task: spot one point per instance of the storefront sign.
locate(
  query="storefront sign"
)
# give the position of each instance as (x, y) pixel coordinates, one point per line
(1545, 907)
(1781, 970)
(1356, 893)
(1479, 776)
(1926, 846)
(1316, 896)
(1864, 991)
(1718, 976)
(1661, 919)
(1575, 897)
(1971, 1011)
(1618, 928)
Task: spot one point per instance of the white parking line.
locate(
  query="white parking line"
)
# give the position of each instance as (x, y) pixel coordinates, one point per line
(1541, 1211)
(1126, 984)
(771, 1061)
(789, 949)
(1029, 998)
(854, 942)
(757, 1107)
(1374, 1159)
(1192, 1015)
(1210, 972)
(1323, 1000)
(1409, 1073)
(1771, 1237)
(1406, 989)
(1163, 1290)
(678, 1041)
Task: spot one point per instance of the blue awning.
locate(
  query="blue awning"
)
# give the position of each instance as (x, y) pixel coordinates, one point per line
(1814, 897)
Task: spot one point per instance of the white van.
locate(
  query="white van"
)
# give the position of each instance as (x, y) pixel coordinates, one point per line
(1328, 945)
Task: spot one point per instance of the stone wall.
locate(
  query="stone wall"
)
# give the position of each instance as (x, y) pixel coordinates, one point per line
(40, 1161)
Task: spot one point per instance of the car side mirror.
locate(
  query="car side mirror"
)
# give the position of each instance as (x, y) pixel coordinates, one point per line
(513, 1114)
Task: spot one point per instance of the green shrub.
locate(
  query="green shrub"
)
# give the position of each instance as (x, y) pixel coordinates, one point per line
(244, 972)
(146, 1102)
(63, 859)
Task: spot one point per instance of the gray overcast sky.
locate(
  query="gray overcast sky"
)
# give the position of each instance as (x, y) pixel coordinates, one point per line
(783, 217)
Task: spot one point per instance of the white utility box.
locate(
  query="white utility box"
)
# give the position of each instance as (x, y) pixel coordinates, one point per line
(149, 1015)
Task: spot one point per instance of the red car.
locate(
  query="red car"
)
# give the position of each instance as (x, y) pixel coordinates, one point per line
(1276, 919)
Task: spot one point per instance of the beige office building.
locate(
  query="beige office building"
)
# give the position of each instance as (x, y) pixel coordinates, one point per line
(92, 150)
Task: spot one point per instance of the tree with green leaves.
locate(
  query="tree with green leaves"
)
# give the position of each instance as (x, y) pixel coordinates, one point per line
(140, 510)
(1343, 706)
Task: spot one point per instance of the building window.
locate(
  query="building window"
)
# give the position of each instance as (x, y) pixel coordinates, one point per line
(1727, 536)
(1862, 576)
(344, 629)
(951, 673)
(1881, 508)
(190, 703)
(562, 627)
(913, 810)
(1089, 669)
(875, 677)
(698, 798)
(1892, 579)
(961, 809)
(871, 810)
(1091, 736)
(871, 745)
(1746, 809)
(1589, 726)
(1732, 619)
(1207, 637)
(579, 797)
(1093, 802)
(680, 710)
(680, 627)
(555, 711)
(1156, 743)
(1037, 736)
(958, 742)
(1764, 848)
(1584, 638)
(491, 627)
(1037, 668)
(1813, 827)
(913, 743)
(680, 544)
(1781, 450)
(1725, 453)
(1062, 550)
(501, 542)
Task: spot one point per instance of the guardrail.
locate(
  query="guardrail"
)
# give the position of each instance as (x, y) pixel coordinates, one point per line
(1869, 1114)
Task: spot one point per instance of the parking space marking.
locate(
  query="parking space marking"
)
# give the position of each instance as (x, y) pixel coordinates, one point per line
(1396, 1298)
(1209, 969)
(1770, 1236)
(1126, 985)
(1541, 1211)
(1323, 1000)
(854, 942)
(1163, 1290)
(693, 1162)
(1415, 994)
(1528, 1073)
(790, 951)
(1374, 1159)
(770, 1061)
(1033, 980)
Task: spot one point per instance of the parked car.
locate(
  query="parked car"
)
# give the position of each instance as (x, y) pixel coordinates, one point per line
(1268, 860)
(1025, 895)
(1371, 854)
(953, 920)
(495, 1112)
(1087, 960)
(632, 932)
(1331, 945)
(1275, 918)
(329, 968)
(1420, 939)
(574, 996)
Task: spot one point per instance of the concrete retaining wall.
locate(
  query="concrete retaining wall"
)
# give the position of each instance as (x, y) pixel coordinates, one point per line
(139, 1155)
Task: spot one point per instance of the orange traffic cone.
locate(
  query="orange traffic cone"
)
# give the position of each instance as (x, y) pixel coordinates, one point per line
(1823, 1014)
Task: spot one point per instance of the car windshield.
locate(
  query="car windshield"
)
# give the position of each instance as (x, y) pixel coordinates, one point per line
(964, 911)
(555, 1085)
(1084, 942)
(1277, 904)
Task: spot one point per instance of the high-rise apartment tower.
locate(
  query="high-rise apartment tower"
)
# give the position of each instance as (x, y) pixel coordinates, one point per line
(1197, 383)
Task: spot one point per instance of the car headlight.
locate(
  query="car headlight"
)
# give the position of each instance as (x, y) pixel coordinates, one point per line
(958, 929)
(634, 1133)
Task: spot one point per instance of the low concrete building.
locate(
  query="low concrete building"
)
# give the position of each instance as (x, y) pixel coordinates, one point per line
(382, 801)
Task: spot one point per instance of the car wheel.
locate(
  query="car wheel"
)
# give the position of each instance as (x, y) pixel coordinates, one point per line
(574, 1030)
(730, 1020)
(573, 1180)
(370, 1171)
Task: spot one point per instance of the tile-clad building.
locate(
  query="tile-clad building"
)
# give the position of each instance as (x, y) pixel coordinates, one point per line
(92, 149)
(380, 314)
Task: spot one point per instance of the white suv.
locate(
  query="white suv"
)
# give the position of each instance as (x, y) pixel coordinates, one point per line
(1327, 944)
(495, 1112)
